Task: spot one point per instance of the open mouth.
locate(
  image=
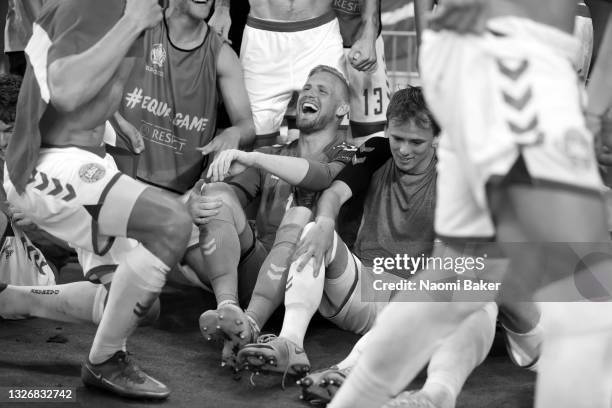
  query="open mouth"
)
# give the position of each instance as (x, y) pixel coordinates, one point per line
(309, 107)
(200, 1)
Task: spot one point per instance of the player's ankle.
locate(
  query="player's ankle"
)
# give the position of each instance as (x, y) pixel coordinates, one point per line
(295, 339)
(225, 300)
(440, 395)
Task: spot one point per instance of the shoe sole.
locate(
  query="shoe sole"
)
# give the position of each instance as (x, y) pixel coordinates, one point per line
(252, 360)
(222, 324)
(315, 392)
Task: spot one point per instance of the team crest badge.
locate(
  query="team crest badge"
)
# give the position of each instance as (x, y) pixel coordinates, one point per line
(158, 55)
(91, 172)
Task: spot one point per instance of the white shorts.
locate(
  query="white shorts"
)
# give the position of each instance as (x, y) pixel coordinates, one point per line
(277, 58)
(350, 301)
(370, 95)
(509, 102)
(81, 198)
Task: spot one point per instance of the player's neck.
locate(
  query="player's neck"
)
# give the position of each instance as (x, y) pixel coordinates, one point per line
(185, 32)
(314, 143)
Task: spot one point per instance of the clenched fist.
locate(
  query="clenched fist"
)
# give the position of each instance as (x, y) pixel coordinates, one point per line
(145, 13)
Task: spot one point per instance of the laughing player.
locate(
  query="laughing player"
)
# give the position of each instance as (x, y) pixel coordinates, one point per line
(397, 174)
(232, 252)
(57, 172)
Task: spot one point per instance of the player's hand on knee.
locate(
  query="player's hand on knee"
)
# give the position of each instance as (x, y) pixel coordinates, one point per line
(362, 55)
(145, 13)
(314, 245)
(200, 207)
(462, 16)
(221, 22)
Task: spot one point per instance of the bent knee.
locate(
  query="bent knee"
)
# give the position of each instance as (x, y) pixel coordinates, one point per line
(230, 210)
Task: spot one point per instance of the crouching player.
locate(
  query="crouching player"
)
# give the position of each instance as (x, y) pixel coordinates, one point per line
(233, 253)
(59, 176)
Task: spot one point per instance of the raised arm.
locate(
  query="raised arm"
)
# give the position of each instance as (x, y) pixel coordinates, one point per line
(421, 9)
(74, 80)
(221, 20)
(362, 55)
(236, 100)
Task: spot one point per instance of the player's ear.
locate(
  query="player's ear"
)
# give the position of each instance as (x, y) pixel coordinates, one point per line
(436, 140)
(342, 109)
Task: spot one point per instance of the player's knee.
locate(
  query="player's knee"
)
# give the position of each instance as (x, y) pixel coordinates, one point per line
(307, 228)
(297, 215)
(230, 210)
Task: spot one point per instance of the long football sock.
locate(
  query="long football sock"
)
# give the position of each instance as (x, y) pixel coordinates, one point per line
(302, 299)
(136, 285)
(71, 302)
(270, 287)
(351, 360)
(458, 355)
(220, 246)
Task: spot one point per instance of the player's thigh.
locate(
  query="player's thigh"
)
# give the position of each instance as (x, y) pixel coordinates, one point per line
(67, 196)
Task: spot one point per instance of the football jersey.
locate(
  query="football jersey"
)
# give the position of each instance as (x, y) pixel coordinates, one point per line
(171, 97)
(348, 13)
(274, 192)
(398, 214)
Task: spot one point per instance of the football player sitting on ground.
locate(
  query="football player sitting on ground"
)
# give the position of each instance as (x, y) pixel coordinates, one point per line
(398, 177)
(233, 253)
(169, 110)
(401, 189)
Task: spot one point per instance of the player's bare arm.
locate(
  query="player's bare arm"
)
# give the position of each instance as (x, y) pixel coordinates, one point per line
(137, 144)
(221, 20)
(600, 99)
(236, 100)
(362, 55)
(422, 8)
(294, 170)
(284, 10)
(77, 79)
(320, 237)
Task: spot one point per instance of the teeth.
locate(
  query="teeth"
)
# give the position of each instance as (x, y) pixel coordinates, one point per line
(308, 105)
